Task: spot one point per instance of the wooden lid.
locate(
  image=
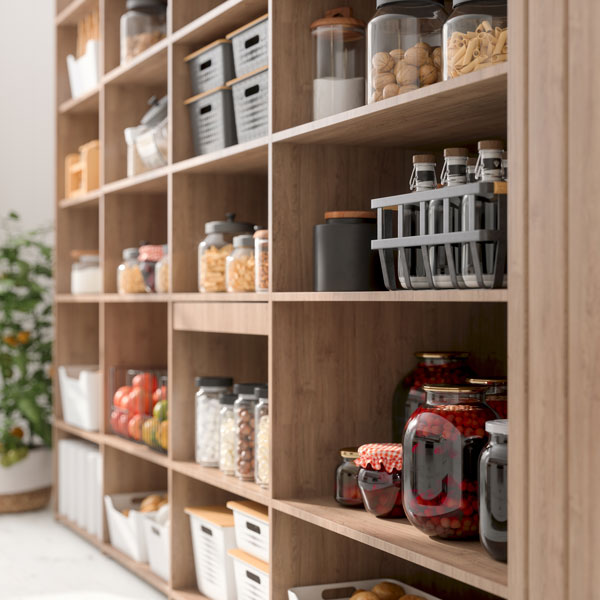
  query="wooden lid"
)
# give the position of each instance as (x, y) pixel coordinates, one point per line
(244, 27)
(254, 509)
(338, 16)
(77, 254)
(351, 214)
(457, 152)
(205, 48)
(217, 515)
(423, 158)
(490, 145)
(204, 94)
(472, 161)
(488, 380)
(249, 560)
(247, 75)
(261, 234)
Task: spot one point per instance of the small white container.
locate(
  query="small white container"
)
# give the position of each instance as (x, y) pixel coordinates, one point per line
(251, 576)
(156, 530)
(251, 528)
(212, 537)
(83, 71)
(86, 276)
(80, 395)
(127, 532)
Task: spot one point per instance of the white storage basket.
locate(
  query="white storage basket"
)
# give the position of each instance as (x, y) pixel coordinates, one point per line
(250, 46)
(83, 71)
(251, 105)
(212, 537)
(80, 396)
(251, 576)
(156, 530)
(211, 67)
(251, 528)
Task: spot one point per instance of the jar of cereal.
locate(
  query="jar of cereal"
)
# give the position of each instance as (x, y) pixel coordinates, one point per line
(240, 265)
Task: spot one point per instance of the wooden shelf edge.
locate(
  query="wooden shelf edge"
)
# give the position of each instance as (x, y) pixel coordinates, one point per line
(499, 295)
(146, 56)
(143, 181)
(187, 595)
(79, 104)
(135, 298)
(78, 298)
(91, 436)
(89, 199)
(71, 12)
(216, 297)
(466, 562)
(135, 449)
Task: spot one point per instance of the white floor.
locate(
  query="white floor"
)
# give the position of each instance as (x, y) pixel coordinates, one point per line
(42, 560)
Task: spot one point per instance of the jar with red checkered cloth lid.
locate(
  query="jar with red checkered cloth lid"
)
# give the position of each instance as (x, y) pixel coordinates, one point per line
(380, 479)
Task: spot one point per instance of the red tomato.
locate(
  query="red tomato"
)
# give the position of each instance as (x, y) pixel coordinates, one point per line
(134, 427)
(123, 422)
(114, 421)
(120, 394)
(140, 401)
(146, 381)
(159, 394)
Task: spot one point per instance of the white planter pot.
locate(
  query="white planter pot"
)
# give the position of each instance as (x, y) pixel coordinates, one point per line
(32, 473)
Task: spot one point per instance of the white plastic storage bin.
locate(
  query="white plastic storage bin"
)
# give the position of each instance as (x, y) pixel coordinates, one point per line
(212, 120)
(343, 591)
(156, 530)
(127, 532)
(211, 67)
(80, 396)
(251, 528)
(212, 538)
(83, 71)
(250, 46)
(251, 104)
(251, 576)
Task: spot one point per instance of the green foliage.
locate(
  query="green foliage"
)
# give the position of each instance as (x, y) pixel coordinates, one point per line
(25, 341)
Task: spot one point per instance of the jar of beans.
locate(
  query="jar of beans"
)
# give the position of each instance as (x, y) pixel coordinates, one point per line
(446, 437)
(380, 479)
(240, 265)
(261, 419)
(129, 274)
(208, 408)
(496, 394)
(347, 492)
(148, 257)
(433, 367)
(244, 409)
(227, 438)
(261, 260)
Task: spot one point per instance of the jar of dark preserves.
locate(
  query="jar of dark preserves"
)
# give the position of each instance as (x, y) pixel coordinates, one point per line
(347, 492)
(496, 394)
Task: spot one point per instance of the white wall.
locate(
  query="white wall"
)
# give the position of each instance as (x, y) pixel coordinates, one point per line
(27, 110)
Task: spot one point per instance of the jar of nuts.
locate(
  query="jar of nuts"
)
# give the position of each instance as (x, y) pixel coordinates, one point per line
(244, 408)
(162, 272)
(240, 265)
(129, 275)
(261, 260)
(214, 249)
(404, 47)
(261, 419)
(144, 24)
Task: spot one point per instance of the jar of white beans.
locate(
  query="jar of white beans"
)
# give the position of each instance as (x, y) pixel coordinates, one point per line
(227, 434)
(262, 438)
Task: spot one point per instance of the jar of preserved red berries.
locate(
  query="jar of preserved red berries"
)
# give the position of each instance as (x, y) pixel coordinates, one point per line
(444, 440)
(380, 479)
(496, 394)
(347, 492)
(433, 367)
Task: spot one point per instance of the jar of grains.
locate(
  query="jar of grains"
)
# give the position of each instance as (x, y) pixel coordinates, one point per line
(240, 265)
(129, 275)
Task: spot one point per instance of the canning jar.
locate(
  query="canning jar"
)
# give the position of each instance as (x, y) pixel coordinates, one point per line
(227, 443)
(496, 394)
(240, 265)
(261, 260)
(380, 479)
(475, 36)
(493, 485)
(445, 438)
(207, 418)
(129, 274)
(347, 492)
(404, 46)
(86, 277)
(261, 418)
(244, 408)
(214, 249)
(433, 367)
(148, 257)
(338, 62)
(142, 25)
(162, 272)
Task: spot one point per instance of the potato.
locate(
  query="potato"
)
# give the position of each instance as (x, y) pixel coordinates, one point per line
(388, 591)
(362, 595)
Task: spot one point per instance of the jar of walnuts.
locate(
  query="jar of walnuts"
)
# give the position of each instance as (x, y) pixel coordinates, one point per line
(404, 47)
(240, 265)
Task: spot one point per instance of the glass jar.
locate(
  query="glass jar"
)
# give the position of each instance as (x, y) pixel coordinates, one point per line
(493, 496)
(207, 418)
(433, 367)
(240, 265)
(162, 272)
(214, 249)
(446, 437)
(261, 418)
(338, 63)
(496, 394)
(380, 479)
(505, 166)
(86, 277)
(261, 260)
(347, 492)
(244, 409)
(227, 443)
(475, 36)
(129, 275)
(144, 24)
(148, 257)
(404, 46)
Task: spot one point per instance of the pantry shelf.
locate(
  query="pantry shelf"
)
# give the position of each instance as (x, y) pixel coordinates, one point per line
(216, 297)
(465, 561)
(135, 298)
(87, 103)
(400, 296)
(148, 68)
(241, 318)
(90, 436)
(73, 12)
(78, 298)
(135, 449)
(187, 595)
(154, 181)
(86, 200)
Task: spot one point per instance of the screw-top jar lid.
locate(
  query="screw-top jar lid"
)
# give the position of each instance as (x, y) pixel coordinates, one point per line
(130, 253)
(456, 152)
(490, 145)
(444, 388)
(228, 226)
(262, 392)
(351, 214)
(247, 389)
(388, 456)
(381, 3)
(147, 5)
(488, 381)
(261, 234)
(498, 427)
(424, 158)
(214, 381)
(351, 452)
(338, 16)
(246, 240)
(90, 259)
(151, 253)
(157, 112)
(228, 399)
(442, 354)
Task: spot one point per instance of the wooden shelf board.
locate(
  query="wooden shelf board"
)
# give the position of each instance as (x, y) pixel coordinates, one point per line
(216, 297)
(187, 595)
(147, 68)
(151, 181)
(85, 201)
(464, 561)
(458, 111)
(135, 449)
(90, 436)
(87, 103)
(216, 478)
(74, 11)
(78, 298)
(221, 20)
(399, 296)
(140, 298)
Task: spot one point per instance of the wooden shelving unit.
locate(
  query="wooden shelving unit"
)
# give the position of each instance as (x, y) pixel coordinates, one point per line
(332, 360)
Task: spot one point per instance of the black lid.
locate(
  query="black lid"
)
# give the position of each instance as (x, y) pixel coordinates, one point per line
(262, 391)
(228, 399)
(246, 388)
(228, 226)
(155, 6)
(158, 111)
(456, 3)
(381, 3)
(214, 381)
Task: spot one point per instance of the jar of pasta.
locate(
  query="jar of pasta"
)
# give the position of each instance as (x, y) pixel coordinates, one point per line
(129, 275)
(240, 265)
(214, 249)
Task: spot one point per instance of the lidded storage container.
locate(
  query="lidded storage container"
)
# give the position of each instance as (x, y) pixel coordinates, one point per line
(261, 260)
(338, 62)
(162, 272)
(244, 409)
(250, 46)
(129, 275)
(214, 249)
(227, 437)
(404, 46)
(496, 394)
(440, 474)
(144, 24)
(262, 444)
(211, 66)
(240, 265)
(347, 492)
(148, 257)
(475, 36)
(86, 277)
(251, 104)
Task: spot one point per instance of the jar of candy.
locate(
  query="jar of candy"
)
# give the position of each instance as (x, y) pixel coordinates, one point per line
(244, 409)
(496, 394)
(261, 419)
(227, 434)
(433, 367)
(493, 479)
(208, 408)
(347, 492)
(445, 437)
(148, 257)
(380, 479)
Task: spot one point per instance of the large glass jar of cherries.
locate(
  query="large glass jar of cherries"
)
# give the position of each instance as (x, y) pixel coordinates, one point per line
(433, 367)
(444, 439)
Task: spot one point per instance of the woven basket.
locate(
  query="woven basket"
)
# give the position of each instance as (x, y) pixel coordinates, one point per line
(34, 500)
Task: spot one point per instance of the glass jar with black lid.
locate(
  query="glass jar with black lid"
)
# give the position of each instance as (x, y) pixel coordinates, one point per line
(142, 26)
